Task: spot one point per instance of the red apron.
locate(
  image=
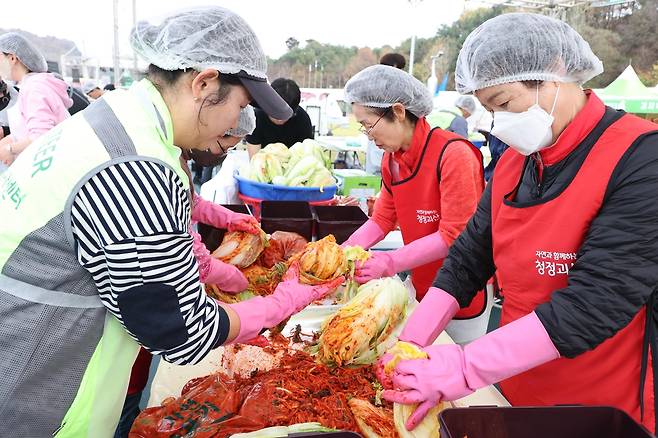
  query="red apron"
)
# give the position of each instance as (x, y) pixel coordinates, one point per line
(534, 247)
(417, 202)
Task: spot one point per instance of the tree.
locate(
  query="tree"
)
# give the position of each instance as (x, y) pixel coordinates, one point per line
(365, 57)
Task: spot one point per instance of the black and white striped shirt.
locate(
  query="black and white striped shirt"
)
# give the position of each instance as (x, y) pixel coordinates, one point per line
(130, 223)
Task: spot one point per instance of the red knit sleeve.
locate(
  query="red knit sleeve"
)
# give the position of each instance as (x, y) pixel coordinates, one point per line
(462, 185)
(384, 212)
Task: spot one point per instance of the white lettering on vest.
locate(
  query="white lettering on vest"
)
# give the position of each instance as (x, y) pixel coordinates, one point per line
(427, 216)
(548, 262)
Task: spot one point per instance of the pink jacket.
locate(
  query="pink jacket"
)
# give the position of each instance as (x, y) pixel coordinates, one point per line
(43, 102)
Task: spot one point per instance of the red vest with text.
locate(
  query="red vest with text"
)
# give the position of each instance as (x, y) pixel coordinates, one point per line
(534, 247)
(417, 202)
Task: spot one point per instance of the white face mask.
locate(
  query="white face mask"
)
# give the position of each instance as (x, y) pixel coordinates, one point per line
(526, 132)
(5, 68)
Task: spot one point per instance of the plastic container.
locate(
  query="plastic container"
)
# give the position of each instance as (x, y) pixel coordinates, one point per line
(341, 221)
(272, 192)
(212, 237)
(539, 422)
(357, 183)
(254, 204)
(295, 216)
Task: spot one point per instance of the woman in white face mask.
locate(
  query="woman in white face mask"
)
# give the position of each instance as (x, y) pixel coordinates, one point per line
(569, 223)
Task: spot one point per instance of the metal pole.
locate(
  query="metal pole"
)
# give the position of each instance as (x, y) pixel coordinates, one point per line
(117, 66)
(412, 4)
(411, 54)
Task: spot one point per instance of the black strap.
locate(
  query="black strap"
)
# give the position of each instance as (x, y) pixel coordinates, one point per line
(650, 342)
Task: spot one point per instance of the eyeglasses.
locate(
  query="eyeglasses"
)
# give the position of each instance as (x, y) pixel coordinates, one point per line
(225, 150)
(367, 131)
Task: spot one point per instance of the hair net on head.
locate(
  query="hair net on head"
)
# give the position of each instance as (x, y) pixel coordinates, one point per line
(25, 51)
(200, 38)
(381, 86)
(89, 86)
(466, 103)
(524, 47)
(246, 123)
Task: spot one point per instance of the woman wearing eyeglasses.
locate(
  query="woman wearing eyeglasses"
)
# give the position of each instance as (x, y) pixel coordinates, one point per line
(432, 181)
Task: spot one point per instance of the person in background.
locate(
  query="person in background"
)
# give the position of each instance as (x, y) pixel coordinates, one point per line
(374, 154)
(80, 100)
(270, 130)
(496, 147)
(8, 97)
(478, 120)
(396, 60)
(211, 270)
(569, 224)
(92, 90)
(431, 183)
(42, 102)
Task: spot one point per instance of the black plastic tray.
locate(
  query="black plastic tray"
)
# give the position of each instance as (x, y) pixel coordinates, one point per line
(295, 216)
(539, 422)
(212, 237)
(341, 221)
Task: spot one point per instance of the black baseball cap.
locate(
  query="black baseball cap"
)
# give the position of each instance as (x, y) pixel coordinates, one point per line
(265, 97)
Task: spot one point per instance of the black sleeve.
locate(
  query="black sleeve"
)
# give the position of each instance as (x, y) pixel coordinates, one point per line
(617, 266)
(256, 137)
(469, 264)
(306, 127)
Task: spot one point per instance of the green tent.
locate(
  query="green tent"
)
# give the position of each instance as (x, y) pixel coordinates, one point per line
(627, 92)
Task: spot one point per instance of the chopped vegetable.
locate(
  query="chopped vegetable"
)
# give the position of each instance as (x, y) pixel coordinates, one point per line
(321, 261)
(403, 351)
(240, 248)
(373, 422)
(359, 331)
(279, 150)
(303, 165)
(428, 427)
(354, 255)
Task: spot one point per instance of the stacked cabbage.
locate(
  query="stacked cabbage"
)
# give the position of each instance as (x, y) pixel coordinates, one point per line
(305, 164)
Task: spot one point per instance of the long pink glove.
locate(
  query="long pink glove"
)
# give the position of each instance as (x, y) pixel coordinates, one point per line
(227, 277)
(220, 217)
(366, 236)
(452, 372)
(288, 298)
(388, 263)
(426, 322)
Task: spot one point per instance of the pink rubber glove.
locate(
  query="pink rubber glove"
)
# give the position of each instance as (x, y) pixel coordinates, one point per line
(388, 263)
(288, 298)
(220, 217)
(452, 372)
(426, 322)
(366, 236)
(213, 271)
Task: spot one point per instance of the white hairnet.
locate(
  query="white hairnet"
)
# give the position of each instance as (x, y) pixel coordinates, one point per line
(381, 86)
(18, 45)
(89, 86)
(200, 38)
(466, 103)
(246, 123)
(523, 47)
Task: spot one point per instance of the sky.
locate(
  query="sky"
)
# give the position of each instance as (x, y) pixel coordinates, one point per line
(372, 23)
